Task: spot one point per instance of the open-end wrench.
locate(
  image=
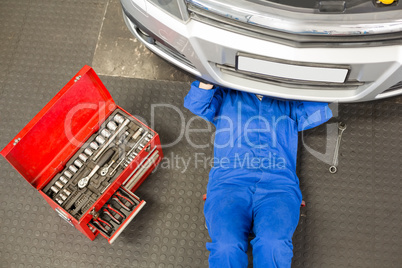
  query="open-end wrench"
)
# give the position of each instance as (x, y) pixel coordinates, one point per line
(104, 159)
(341, 129)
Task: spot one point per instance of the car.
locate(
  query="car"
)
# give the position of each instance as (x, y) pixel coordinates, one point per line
(330, 51)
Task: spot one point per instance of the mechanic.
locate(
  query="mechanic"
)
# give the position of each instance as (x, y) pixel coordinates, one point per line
(251, 192)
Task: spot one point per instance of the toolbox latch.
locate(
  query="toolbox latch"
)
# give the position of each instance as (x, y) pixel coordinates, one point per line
(64, 216)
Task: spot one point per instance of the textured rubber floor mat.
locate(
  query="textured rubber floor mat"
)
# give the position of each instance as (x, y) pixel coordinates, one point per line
(43, 44)
(352, 217)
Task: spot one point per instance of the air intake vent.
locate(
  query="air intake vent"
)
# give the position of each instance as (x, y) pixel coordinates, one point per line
(394, 87)
(174, 54)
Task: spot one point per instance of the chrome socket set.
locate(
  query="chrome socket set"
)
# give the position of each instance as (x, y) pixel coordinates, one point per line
(98, 163)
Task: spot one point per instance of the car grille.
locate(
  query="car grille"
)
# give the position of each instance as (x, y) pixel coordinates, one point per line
(295, 40)
(300, 84)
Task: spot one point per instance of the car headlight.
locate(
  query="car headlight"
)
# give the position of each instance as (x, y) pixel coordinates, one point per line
(173, 7)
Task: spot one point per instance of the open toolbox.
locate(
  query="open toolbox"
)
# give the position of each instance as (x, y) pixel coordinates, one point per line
(86, 156)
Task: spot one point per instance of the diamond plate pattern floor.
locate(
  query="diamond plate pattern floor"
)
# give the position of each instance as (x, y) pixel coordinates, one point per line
(352, 217)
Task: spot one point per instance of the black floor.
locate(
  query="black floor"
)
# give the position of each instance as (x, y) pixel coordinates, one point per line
(352, 218)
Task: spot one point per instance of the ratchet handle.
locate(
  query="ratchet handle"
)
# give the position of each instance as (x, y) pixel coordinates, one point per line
(106, 157)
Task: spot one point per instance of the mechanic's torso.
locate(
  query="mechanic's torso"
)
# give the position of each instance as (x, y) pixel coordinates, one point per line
(253, 133)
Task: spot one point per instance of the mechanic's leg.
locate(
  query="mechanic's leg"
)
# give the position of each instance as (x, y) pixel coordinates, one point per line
(228, 214)
(275, 219)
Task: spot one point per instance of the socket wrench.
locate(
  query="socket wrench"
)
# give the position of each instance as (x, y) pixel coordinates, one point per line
(104, 159)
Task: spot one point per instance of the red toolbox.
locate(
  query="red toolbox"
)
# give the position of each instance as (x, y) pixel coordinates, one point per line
(86, 156)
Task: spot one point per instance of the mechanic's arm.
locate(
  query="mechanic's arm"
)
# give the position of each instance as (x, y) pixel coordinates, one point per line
(310, 114)
(204, 100)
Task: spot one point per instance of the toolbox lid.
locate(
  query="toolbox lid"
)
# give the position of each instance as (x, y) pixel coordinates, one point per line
(49, 140)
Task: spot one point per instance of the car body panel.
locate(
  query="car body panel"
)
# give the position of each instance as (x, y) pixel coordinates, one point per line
(211, 53)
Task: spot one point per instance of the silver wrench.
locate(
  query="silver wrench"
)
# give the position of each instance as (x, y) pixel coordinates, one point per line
(104, 159)
(341, 129)
(104, 170)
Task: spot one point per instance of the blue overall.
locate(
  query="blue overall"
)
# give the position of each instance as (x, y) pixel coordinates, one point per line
(253, 185)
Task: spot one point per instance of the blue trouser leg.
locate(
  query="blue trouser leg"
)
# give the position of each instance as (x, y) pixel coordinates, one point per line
(276, 215)
(228, 214)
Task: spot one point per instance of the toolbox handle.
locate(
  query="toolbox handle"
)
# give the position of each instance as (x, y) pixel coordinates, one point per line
(64, 216)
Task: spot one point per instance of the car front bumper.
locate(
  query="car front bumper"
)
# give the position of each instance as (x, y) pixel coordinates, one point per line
(211, 52)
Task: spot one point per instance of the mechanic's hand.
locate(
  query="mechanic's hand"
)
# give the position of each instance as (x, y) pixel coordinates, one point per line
(205, 86)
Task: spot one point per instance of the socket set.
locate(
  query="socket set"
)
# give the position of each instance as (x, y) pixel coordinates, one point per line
(98, 163)
(94, 167)
(94, 155)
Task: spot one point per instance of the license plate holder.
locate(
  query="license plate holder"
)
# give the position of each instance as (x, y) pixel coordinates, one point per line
(302, 71)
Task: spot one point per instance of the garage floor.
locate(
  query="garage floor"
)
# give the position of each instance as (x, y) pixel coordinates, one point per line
(352, 218)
